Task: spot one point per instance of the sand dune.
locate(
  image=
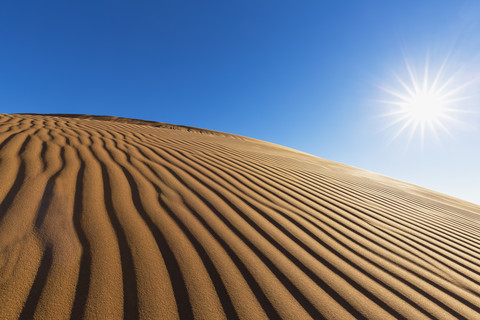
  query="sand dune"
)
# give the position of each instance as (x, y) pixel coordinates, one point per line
(108, 218)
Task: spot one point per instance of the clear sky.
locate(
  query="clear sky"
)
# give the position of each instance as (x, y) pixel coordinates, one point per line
(305, 74)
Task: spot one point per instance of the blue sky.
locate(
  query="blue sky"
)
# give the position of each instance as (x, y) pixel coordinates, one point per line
(304, 74)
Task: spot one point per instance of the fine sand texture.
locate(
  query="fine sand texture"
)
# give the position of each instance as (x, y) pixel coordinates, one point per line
(113, 218)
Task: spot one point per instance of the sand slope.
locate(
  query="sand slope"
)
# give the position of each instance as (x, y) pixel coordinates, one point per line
(126, 219)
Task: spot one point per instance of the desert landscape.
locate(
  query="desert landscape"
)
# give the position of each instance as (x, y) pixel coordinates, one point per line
(111, 218)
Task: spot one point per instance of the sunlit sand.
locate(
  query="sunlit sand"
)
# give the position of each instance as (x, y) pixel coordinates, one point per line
(108, 218)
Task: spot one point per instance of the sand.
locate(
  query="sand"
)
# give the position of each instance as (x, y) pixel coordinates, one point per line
(111, 218)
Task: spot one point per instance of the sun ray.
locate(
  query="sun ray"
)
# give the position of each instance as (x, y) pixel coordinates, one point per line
(394, 122)
(446, 83)
(412, 77)
(404, 85)
(405, 125)
(459, 88)
(413, 129)
(425, 76)
(434, 132)
(439, 74)
(394, 93)
(442, 126)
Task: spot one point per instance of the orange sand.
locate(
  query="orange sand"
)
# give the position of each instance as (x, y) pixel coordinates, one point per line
(108, 218)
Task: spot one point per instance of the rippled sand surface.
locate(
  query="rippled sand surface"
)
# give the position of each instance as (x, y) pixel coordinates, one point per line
(111, 218)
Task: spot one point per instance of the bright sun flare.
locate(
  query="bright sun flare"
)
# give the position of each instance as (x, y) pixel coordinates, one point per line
(424, 103)
(425, 107)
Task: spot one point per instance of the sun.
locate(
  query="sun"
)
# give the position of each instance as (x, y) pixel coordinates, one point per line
(423, 104)
(425, 107)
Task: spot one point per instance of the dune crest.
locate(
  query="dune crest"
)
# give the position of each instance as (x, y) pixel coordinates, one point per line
(110, 218)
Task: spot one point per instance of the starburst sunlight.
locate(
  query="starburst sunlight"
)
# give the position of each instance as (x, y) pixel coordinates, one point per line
(425, 104)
